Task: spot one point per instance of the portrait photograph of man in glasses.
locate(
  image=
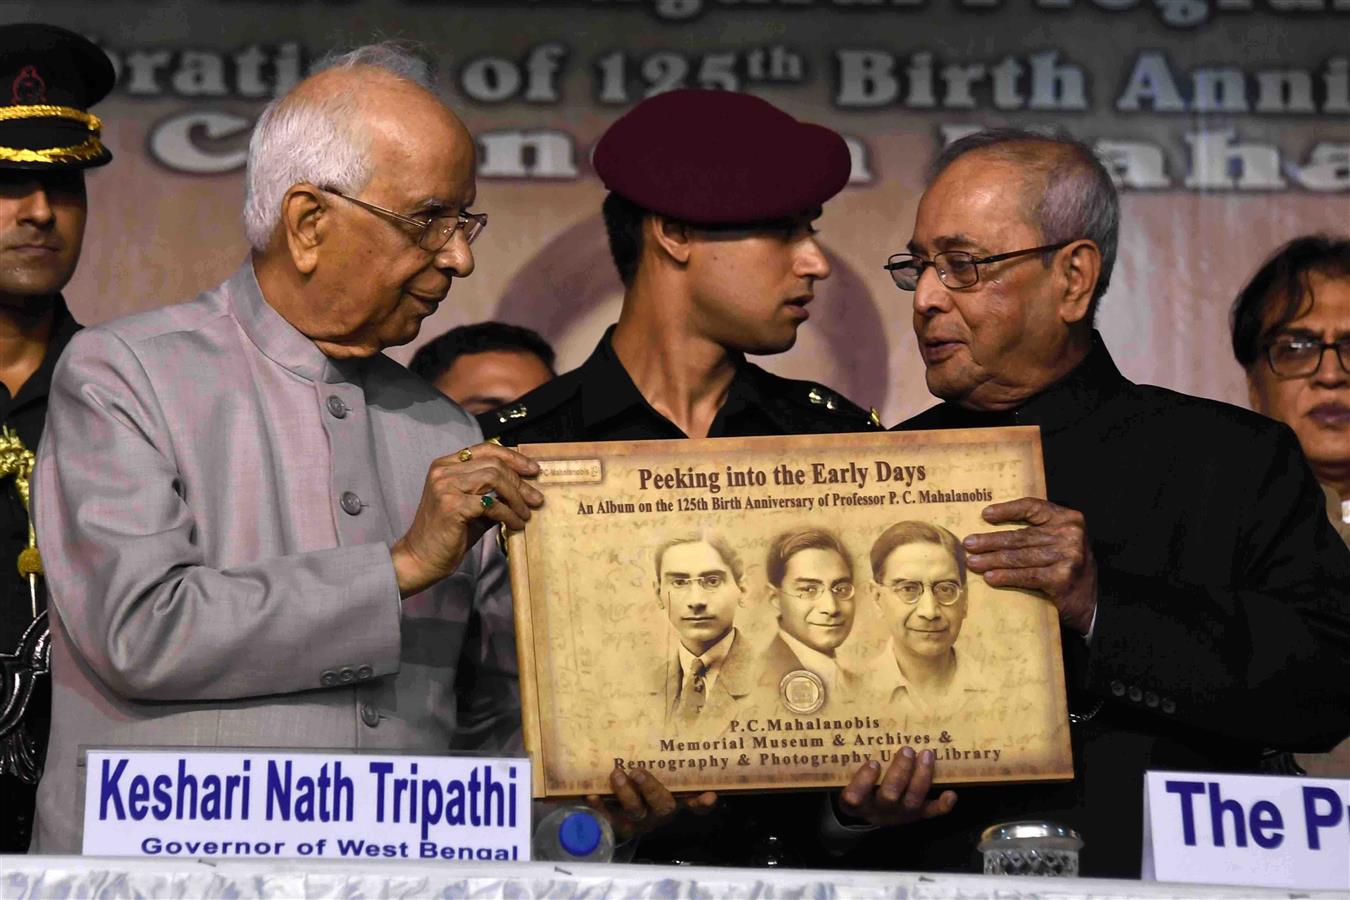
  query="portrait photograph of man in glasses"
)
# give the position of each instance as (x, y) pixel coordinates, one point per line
(708, 667)
(919, 584)
(811, 588)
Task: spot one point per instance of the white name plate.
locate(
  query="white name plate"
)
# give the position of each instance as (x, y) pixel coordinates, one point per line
(247, 803)
(1248, 830)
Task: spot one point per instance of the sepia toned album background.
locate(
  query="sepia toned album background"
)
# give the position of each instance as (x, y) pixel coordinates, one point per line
(596, 645)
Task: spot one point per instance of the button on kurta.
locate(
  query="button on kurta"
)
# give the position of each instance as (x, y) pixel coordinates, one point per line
(364, 673)
(370, 715)
(1136, 695)
(1118, 688)
(351, 503)
(328, 679)
(337, 407)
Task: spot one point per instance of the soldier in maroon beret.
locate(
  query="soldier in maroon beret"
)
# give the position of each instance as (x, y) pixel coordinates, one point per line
(709, 216)
(49, 77)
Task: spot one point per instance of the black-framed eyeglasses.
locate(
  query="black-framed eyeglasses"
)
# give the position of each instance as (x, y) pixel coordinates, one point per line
(1293, 356)
(811, 592)
(955, 268)
(944, 592)
(434, 233)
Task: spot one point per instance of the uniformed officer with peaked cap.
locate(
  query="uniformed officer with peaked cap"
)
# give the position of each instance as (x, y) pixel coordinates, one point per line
(709, 214)
(49, 77)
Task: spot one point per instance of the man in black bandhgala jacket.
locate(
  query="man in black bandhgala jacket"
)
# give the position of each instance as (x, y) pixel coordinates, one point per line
(1204, 598)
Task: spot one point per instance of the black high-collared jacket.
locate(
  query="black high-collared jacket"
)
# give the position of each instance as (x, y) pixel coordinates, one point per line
(1223, 618)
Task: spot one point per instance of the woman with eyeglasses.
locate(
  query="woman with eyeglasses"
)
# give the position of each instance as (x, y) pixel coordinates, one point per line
(1291, 332)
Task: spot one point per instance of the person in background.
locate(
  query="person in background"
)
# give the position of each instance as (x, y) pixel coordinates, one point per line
(1291, 333)
(486, 365)
(49, 77)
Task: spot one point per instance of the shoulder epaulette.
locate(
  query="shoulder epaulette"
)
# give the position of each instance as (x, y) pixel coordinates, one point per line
(821, 397)
(817, 399)
(507, 423)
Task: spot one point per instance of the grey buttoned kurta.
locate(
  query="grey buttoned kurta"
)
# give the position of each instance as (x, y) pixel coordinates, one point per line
(215, 500)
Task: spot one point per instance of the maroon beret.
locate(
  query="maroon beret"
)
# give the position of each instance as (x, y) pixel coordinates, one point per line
(716, 157)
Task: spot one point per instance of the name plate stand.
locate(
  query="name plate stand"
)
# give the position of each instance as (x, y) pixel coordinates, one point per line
(1248, 830)
(294, 804)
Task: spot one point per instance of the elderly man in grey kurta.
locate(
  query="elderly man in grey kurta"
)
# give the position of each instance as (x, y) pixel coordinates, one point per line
(258, 530)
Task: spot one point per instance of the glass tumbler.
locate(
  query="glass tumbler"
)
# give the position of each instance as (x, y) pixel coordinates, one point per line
(1030, 848)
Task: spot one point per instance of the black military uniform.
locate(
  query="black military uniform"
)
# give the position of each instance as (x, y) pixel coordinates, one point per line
(599, 402)
(1223, 618)
(48, 78)
(22, 636)
(761, 168)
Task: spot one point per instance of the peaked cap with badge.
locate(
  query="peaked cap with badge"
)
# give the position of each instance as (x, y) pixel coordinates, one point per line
(49, 77)
(720, 158)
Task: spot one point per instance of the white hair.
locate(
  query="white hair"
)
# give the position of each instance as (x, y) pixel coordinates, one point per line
(318, 139)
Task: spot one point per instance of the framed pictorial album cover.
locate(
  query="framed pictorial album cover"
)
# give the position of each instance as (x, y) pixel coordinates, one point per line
(770, 613)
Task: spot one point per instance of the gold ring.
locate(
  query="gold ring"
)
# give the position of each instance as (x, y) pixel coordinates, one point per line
(465, 455)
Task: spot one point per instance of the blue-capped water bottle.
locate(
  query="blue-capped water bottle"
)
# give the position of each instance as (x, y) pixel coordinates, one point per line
(573, 834)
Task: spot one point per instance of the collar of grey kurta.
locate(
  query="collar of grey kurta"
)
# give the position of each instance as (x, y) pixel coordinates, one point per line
(278, 339)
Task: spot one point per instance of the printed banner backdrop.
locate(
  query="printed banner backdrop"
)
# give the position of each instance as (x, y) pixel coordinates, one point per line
(1227, 123)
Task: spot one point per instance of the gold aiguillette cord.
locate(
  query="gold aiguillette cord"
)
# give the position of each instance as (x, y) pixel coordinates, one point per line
(17, 460)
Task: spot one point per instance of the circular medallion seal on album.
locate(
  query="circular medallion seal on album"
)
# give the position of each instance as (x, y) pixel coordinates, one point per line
(802, 692)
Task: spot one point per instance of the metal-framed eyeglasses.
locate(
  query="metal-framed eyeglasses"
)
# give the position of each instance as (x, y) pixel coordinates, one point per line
(433, 233)
(945, 593)
(707, 582)
(1297, 356)
(955, 268)
(813, 591)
